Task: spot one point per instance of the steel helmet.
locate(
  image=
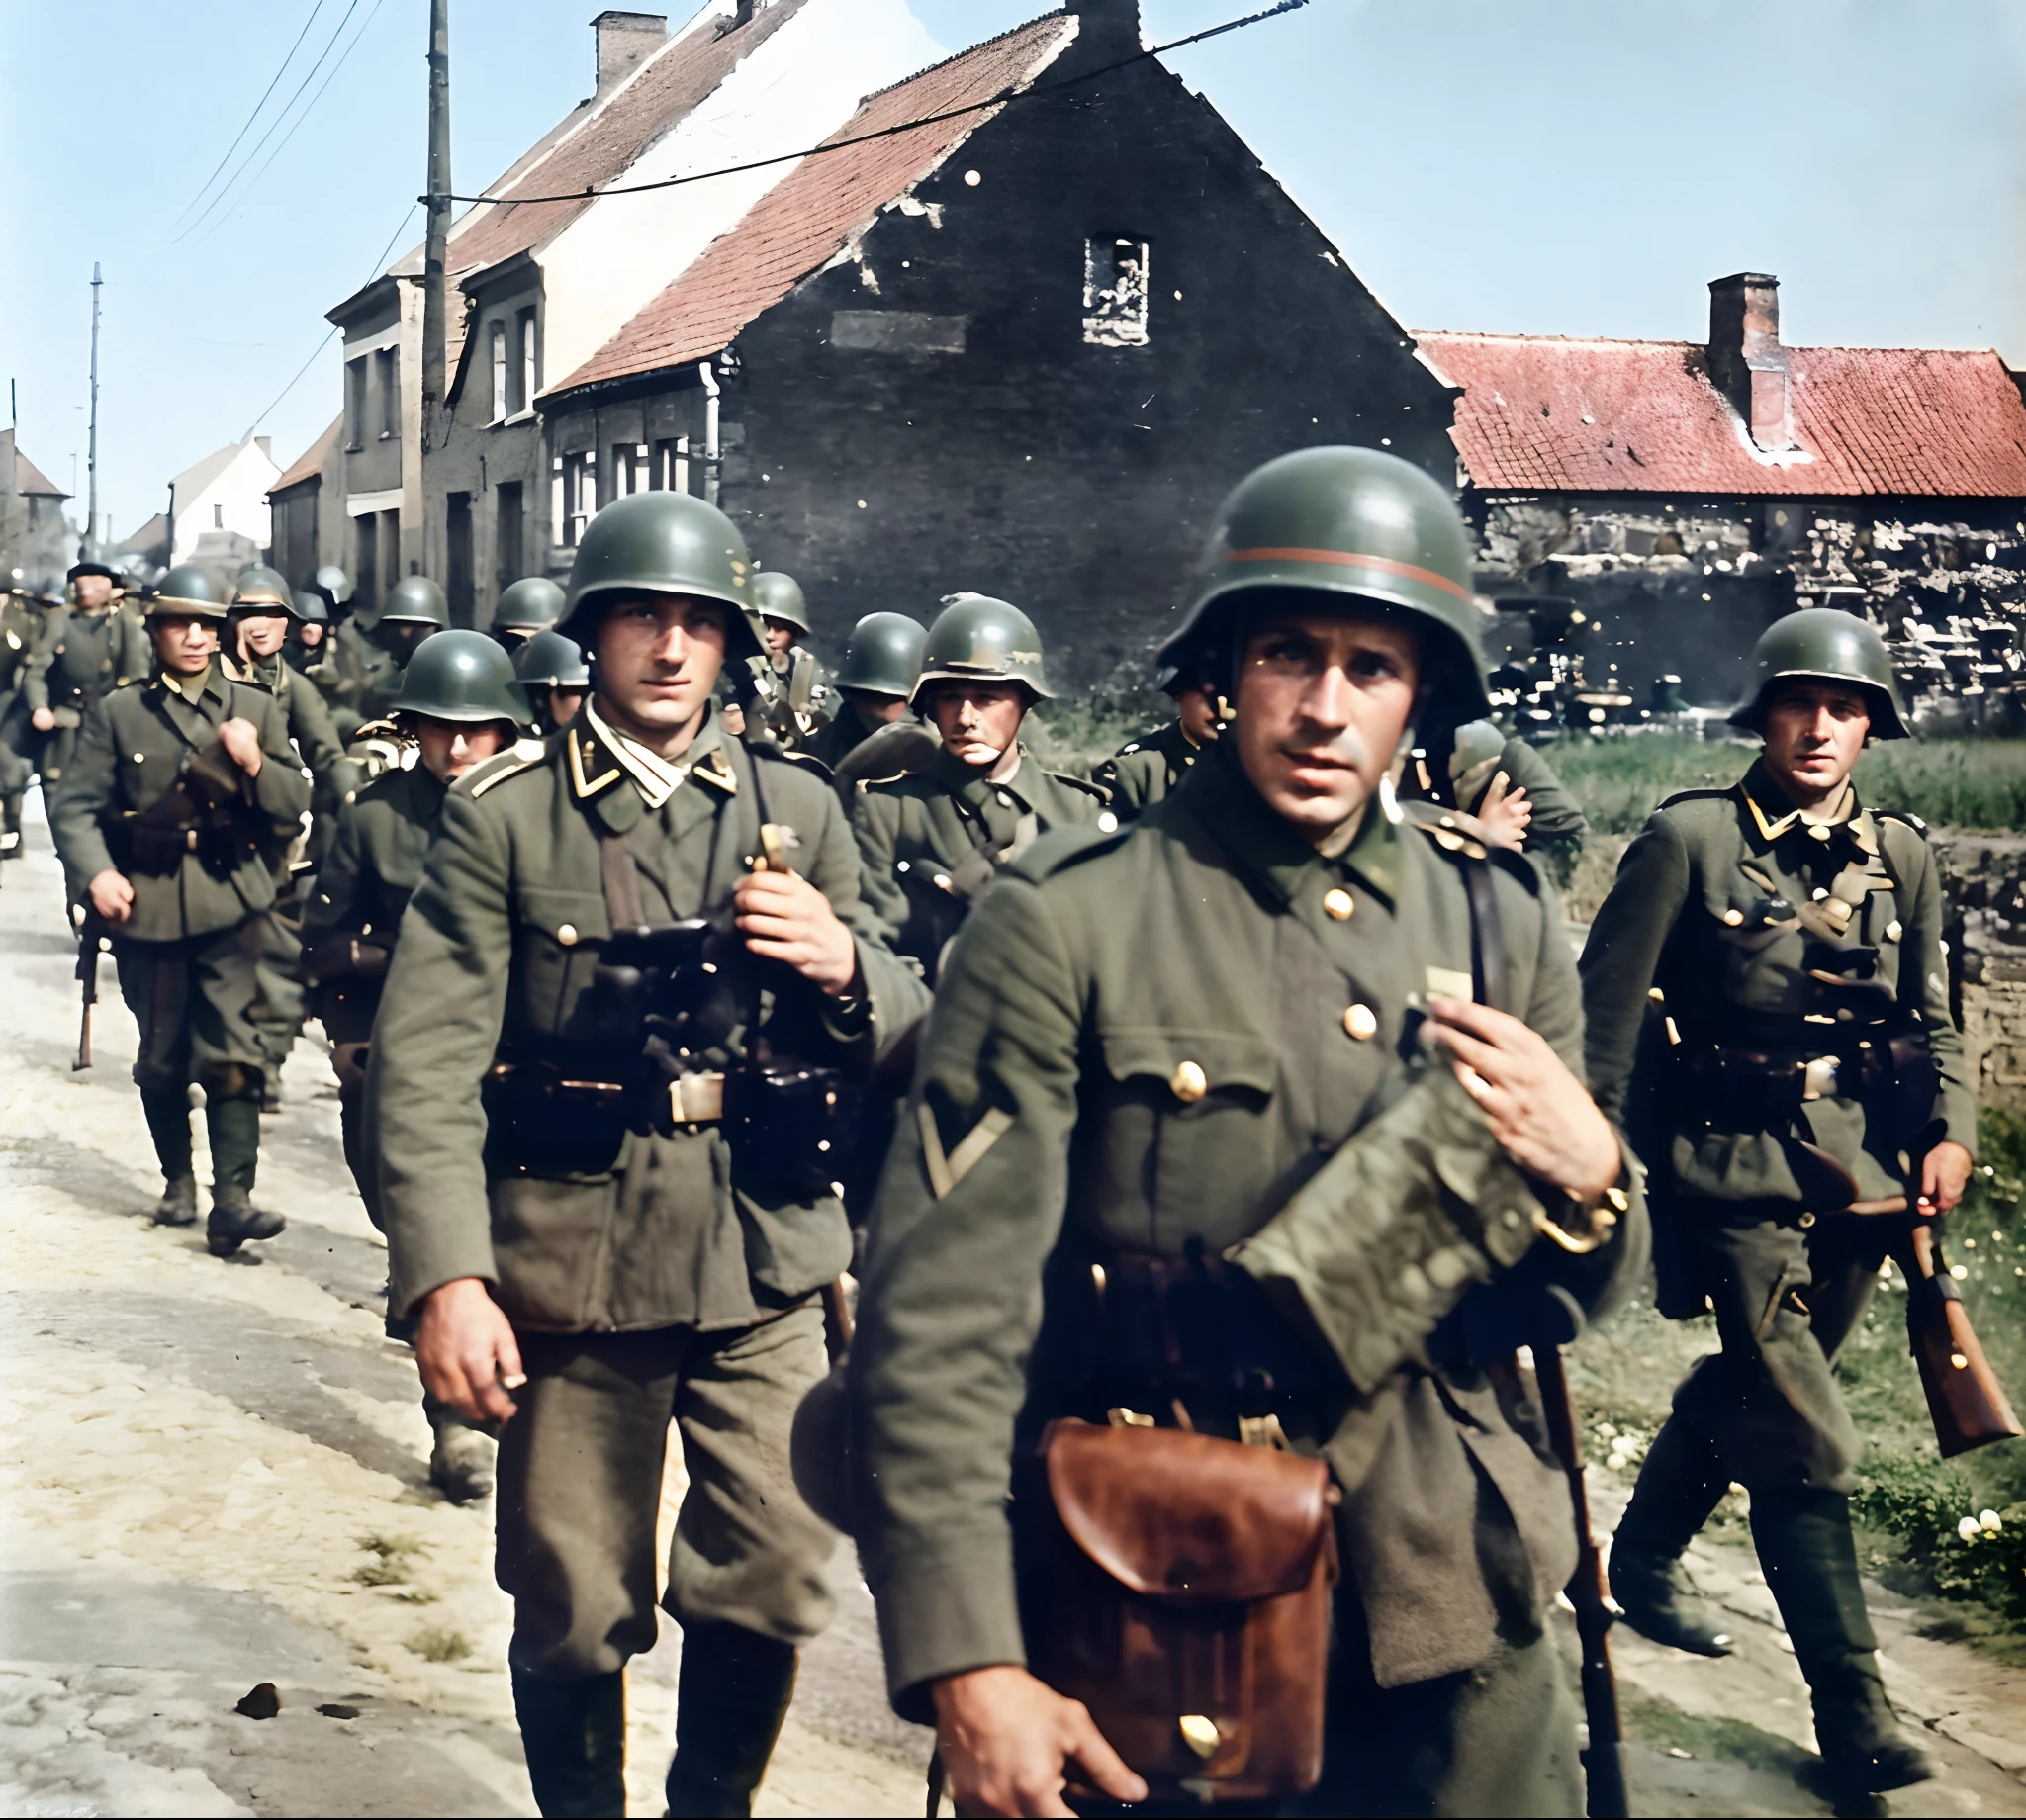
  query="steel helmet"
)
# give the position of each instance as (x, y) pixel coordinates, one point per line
(310, 607)
(662, 543)
(884, 656)
(332, 584)
(417, 600)
(462, 677)
(528, 605)
(1825, 644)
(780, 596)
(1357, 523)
(259, 586)
(187, 592)
(550, 660)
(977, 639)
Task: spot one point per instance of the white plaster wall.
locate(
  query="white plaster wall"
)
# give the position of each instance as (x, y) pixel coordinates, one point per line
(794, 91)
(241, 487)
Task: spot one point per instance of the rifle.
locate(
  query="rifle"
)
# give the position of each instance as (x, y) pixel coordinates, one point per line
(1964, 1396)
(1604, 1763)
(91, 940)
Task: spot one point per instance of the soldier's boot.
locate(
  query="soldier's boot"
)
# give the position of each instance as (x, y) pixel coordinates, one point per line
(1810, 1562)
(732, 1697)
(178, 1205)
(574, 1736)
(167, 1111)
(235, 1126)
(1679, 1486)
(462, 1459)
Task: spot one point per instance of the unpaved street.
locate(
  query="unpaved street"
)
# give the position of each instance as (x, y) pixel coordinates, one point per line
(214, 1476)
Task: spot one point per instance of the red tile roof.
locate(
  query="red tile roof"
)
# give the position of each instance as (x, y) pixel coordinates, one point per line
(28, 478)
(1542, 414)
(308, 465)
(822, 205)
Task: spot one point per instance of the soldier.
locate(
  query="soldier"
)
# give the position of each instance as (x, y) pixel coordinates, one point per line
(312, 626)
(1802, 1062)
(334, 587)
(787, 678)
(368, 657)
(21, 627)
(634, 1222)
(164, 822)
(934, 838)
(262, 615)
(881, 666)
(1505, 783)
(1143, 770)
(87, 651)
(553, 677)
(458, 704)
(529, 606)
(1139, 1052)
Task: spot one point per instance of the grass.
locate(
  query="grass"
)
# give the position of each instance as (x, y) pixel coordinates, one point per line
(389, 1564)
(440, 1645)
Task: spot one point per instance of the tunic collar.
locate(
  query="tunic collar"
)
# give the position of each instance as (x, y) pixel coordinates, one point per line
(599, 754)
(1773, 813)
(974, 788)
(193, 690)
(1276, 855)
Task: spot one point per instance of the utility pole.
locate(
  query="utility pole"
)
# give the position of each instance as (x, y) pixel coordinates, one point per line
(91, 512)
(437, 251)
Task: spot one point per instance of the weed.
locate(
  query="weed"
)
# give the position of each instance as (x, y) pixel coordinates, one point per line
(389, 1564)
(440, 1645)
(1667, 1728)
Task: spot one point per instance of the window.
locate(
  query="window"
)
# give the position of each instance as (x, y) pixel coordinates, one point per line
(530, 365)
(629, 472)
(576, 493)
(499, 371)
(507, 535)
(218, 517)
(355, 404)
(1115, 293)
(388, 363)
(366, 561)
(457, 587)
(670, 470)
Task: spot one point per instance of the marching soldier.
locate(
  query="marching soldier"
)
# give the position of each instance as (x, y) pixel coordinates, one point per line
(787, 678)
(1141, 1048)
(1800, 1063)
(1505, 783)
(529, 606)
(458, 704)
(553, 675)
(1143, 770)
(334, 587)
(164, 822)
(87, 651)
(606, 1190)
(882, 663)
(19, 630)
(933, 840)
(312, 626)
(368, 659)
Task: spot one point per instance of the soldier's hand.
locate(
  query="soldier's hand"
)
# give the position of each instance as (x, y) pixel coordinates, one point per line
(786, 918)
(1505, 815)
(241, 742)
(466, 1353)
(1007, 1740)
(43, 720)
(1944, 1174)
(1541, 1113)
(112, 895)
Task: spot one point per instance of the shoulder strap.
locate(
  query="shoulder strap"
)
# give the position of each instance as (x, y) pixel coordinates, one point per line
(1487, 934)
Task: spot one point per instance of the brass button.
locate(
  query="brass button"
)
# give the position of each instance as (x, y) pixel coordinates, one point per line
(566, 933)
(1892, 930)
(1107, 823)
(1340, 904)
(1362, 1022)
(1733, 918)
(1189, 1083)
(1805, 1221)
(1818, 831)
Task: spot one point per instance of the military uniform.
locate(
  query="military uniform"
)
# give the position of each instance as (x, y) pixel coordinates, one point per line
(80, 660)
(188, 951)
(1794, 965)
(1558, 827)
(649, 1269)
(1144, 1043)
(20, 629)
(1143, 770)
(844, 733)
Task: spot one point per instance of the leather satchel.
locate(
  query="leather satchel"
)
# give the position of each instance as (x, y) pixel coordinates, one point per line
(1179, 1585)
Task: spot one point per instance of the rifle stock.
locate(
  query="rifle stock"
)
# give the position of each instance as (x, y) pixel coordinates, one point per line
(90, 932)
(1969, 1406)
(1604, 1763)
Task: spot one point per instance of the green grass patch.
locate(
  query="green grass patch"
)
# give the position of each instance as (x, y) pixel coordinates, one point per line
(392, 1559)
(1663, 1727)
(440, 1645)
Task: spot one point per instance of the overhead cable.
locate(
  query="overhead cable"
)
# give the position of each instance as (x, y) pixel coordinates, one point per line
(316, 7)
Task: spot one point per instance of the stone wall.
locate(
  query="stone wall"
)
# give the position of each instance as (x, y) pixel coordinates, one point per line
(1985, 879)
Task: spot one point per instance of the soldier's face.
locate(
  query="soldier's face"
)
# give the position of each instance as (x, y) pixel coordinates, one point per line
(979, 720)
(183, 647)
(93, 591)
(450, 748)
(781, 637)
(1196, 708)
(263, 634)
(1322, 700)
(658, 661)
(1815, 736)
(877, 710)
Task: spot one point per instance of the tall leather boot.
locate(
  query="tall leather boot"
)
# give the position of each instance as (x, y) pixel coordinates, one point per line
(1810, 1562)
(732, 1697)
(573, 1735)
(1679, 1488)
(235, 1126)
(167, 1111)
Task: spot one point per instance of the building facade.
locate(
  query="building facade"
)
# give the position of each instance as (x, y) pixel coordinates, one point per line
(37, 542)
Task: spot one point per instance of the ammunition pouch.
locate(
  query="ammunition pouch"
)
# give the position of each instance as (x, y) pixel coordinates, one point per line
(207, 811)
(1891, 1067)
(540, 1122)
(1179, 1585)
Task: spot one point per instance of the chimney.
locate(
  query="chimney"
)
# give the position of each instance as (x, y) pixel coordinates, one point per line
(1110, 28)
(1747, 364)
(624, 40)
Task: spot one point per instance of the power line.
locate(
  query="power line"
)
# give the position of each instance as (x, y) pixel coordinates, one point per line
(1003, 97)
(226, 189)
(316, 8)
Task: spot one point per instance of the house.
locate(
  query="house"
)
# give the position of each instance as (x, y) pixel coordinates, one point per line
(218, 508)
(1024, 347)
(1680, 495)
(303, 513)
(37, 542)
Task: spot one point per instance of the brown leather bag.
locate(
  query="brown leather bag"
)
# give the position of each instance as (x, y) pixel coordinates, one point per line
(1178, 1585)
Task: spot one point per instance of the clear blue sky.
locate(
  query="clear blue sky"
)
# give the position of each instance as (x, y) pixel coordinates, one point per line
(1553, 166)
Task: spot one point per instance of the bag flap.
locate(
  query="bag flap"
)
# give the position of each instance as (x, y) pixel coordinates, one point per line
(1183, 1517)
(1224, 1058)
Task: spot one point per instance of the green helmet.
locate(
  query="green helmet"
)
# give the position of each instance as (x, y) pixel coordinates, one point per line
(528, 605)
(1357, 523)
(187, 592)
(417, 600)
(977, 639)
(1825, 644)
(780, 596)
(662, 543)
(258, 586)
(310, 607)
(551, 660)
(462, 677)
(332, 584)
(884, 656)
